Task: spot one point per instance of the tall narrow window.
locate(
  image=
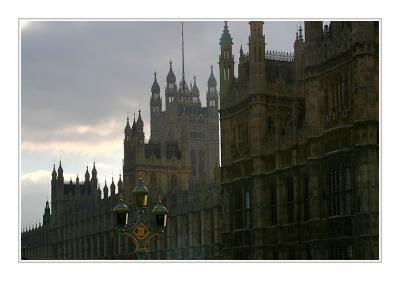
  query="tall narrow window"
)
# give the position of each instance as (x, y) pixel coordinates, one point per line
(333, 97)
(193, 162)
(344, 95)
(306, 193)
(187, 229)
(199, 230)
(238, 208)
(247, 209)
(274, 218)
(340, 189)
(347, 191)
(290, 203)
(202, 162)
(212, 226)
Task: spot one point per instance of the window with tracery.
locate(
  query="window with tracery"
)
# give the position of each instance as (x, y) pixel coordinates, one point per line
(340, 193)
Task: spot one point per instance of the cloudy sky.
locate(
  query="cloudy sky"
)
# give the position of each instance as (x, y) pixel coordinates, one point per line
(79, 80)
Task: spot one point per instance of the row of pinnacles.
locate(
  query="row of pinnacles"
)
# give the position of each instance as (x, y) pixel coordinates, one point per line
(89, 187)
(184, 93)
(136, 132)
(330, 41)
(78, 190)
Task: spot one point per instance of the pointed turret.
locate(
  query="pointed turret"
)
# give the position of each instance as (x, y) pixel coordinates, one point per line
(155, 107)
(119, 185)
(112, 187)
(77, 179)
(139, 128)
(105, 189)
(139, 123)
(170, 90)
(226, 38)
(155, 88)
(299, 55)
(300, 34)
(212, 82)
(60, 172)
(94, 171)
(54, 174)
(94, 178)
(226, 61)
(171, 79)
(87, 175)
(257, 71)
(212, 93)
(128, 130)
(195, 91)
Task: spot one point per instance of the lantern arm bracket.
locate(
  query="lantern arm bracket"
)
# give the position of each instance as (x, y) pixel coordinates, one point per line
(126, 229)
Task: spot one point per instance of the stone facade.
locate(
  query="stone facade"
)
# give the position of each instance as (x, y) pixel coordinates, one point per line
(300, 145)
(179, 163)
(299, 176)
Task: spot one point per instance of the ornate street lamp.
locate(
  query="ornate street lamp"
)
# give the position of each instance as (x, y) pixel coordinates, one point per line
(140, 192)
(140, 232)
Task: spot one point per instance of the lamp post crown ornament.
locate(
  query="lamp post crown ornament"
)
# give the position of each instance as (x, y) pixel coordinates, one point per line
(140, 232)
(160, 208)
(139, 187)
(120, 207)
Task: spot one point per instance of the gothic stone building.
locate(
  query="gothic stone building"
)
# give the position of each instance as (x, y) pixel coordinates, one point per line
(300, 145)
(179, 163)
(300, 161)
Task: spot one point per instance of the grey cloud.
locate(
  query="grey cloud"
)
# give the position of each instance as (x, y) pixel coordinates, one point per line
(89, 72)
(92, 73)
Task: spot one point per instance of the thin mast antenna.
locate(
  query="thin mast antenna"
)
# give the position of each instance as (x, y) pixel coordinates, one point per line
(183, 60)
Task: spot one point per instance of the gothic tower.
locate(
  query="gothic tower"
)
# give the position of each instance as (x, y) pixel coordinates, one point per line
(170, 90)
(155, 107)
(257, 70)
(212, 121)
(226, 62)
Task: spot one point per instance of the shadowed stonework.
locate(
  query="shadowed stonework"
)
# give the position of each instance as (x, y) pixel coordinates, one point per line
(300, 150)
(299, 175)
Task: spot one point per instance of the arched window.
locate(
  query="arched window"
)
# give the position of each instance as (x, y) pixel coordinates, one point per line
(193, 162)
(306, 197)
(202, 162)
(290, 199)
(340, 189)
(274, 217)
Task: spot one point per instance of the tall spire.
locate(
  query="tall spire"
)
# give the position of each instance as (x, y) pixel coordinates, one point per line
(301, 33)
(212, 83)
(155, 89)
(171, 76)
(183, 59)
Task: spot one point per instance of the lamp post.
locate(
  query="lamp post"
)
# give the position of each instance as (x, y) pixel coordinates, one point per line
(140, 232)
